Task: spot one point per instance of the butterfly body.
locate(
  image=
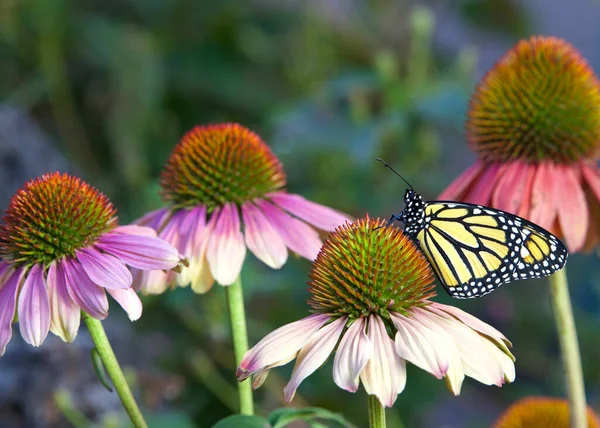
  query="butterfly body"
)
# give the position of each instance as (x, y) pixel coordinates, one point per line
(473, 249)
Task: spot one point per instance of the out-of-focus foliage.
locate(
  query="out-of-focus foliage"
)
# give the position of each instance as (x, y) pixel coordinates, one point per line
(330, 85)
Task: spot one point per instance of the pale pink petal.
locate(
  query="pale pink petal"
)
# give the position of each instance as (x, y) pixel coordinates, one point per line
(422, 346)
(197, 272)
(481, 192)
(385, 374)
(139, 251)
(226, 249)
(573, 214)
(8, 300)
(279, 345)
(152, 281)
(65, 315)
(591, 174)
(482, 359)
(200, 275)
(129, 301)
(352, 355)
(192, 225)
(457, 189)
(318, 215)
(525, 208)
(105, 270)
(154, 219)
(473, 322)
(314, 354)
(510, 190)
(543, 204)
(297, 235)
(262, 238)
(134, 229)
(34, 307)
(87, 295)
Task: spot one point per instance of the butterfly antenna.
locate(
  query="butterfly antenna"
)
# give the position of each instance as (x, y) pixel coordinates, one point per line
(387, 165)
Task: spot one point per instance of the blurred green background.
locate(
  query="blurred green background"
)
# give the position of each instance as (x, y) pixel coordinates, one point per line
(330, 85)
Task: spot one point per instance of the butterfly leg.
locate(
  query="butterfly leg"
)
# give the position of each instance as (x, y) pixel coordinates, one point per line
(393, 218)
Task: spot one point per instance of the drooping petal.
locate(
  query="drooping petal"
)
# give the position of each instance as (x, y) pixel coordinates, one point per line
(34, 307)
(297, 235)
(279, 345)
(8, 300)
(385, 373)
(543, 203)
(200, 275)
(152, 281)
(457, 189)
(314, 354)
(129, 301)
(87, 295)
(508, 193)
(572, 211)
(65, 315)
(473, 322)
(154, 219)
(422, 346)
(262, 238)
(352, 355)
(528, 178)
(192, 226)
(481, 192)
(226, 248)
(591, 174)
(134, 229)
(139, 251)
(105, 270)
(318, 215)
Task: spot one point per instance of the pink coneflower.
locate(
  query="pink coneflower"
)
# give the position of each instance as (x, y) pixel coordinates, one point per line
(61, 250)
(225, 192)
(534, 121)
(370, 288)
(541, 412)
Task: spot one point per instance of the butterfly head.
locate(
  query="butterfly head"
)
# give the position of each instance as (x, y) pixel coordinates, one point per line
(413, 215)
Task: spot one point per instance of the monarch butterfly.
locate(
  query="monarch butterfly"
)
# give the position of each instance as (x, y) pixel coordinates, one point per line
(474, 249)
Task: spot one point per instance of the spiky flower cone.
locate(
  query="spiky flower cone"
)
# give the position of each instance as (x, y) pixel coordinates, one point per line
(534, 122)
(61, 249)
(541, 412)
(225, 193)
(369, 280)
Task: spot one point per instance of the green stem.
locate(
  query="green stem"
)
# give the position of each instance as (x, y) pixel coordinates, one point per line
(235, 299)
(114, 370)
(569, 347)
(376, 413)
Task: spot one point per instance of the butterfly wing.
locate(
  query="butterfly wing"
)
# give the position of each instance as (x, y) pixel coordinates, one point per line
(474, 249)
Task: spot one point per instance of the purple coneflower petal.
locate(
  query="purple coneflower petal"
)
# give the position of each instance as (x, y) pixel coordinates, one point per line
(314, 354)
(65, 315)
(352, 355)
(262, 238)
(197, 274)
(129, 301)
(280, 345)
(134, 229)
(574, 216)
(543, 203)
(297, 235)
(105, 270)
(318, 215)
(152, 281)
(34, 307)
(423, 347)
(87, 295)
(473, 322)
(139, 251)
(192, 229)
(481, 192)
(385, 373)
(226, 248)
(154, 219)
(509, 192)
(458, 187)
(8, 300)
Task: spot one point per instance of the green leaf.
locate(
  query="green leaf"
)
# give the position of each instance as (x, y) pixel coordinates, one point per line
(282, 417)
(242, 421)
(98, 365)
(170, 419)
